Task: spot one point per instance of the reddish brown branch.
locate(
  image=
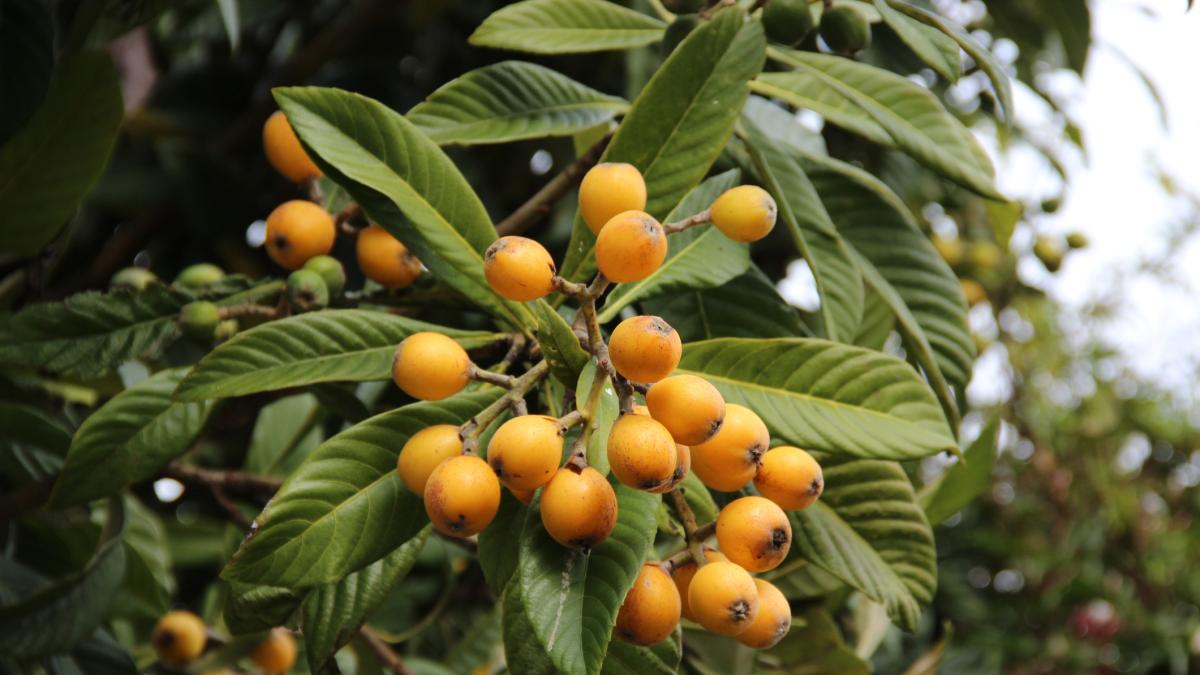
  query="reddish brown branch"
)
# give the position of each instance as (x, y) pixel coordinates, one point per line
(384, 651)
(537, 206)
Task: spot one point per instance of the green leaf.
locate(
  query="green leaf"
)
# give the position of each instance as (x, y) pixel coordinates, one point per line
(868, 531)
(477, 644)
(333, 345)
(986, 61)
(605, 407)
(511, 101)
(28, 425)
(497, 554)
(699, 257)
(683, 118)
(129, 439)
(1073, 23)
(231, 20)
(333, 614)
(559, 344)
(285, 431)
(839, 283)
(826, 396)
(405, 183)
(899, 262)
(566, 27)
(909, 115)
(250, 608)
(91, 333)
(815, 647)
(877, 323)
(932, 46)
(699, 499)
(746, 306)
(661, 658)
(570, 599)
(345, 507)
(964, 481)
(27, 52)
(148, 579)
(53, 161)
(101, 655)
(54, 618)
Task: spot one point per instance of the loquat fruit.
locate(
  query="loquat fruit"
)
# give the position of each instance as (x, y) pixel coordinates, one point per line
(284, 151)
(277, 653)
(651, 608)
(845, 30)
(132, 279)
(787, 21)
(683, 464)
(754, 533)
(198, 320)
(462, 496)
(631, 247)
(608, 189)
(179, 637)
(973, 291)
(773, 621)
(526, 451)
(298, 230)
(745, 213)
(790, 477)
(199, 275)
(579, 507)
(331, 271)
(424, 451)
(644, 348)
(723, 598)
(430, 366)
(641, 452)
(306, 290)
(688, 406)
(384, 259)
(523, 496)
(519, 269)
(729, 459)
(682, 576)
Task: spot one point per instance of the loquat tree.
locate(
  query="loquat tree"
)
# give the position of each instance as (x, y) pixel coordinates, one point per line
(618, 448)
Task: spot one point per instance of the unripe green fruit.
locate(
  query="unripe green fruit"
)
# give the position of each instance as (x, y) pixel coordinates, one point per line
(132, 279)
(198, 320)
(307, 290)
(787, 21)
(679, 29)
(199, 275)
(1049, 252)
(683, 6)
(330, 270)
(844, 30)
(1051, 205)
(1077, 240)
(226, 329)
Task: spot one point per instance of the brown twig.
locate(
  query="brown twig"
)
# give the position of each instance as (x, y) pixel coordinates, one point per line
(543, 200)
(473, 427)
(343, 218)
(693, 533)
(383, 651)
(235, 311)
(499, 379)
(227, 505)
(693, 220)
(228, 480)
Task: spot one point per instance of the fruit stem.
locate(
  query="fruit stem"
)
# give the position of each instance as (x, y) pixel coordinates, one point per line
(701, 218)
(571, 419)
(691, 531)
(234, 311)
(596, 344)
(229, 480)
(499, 379)
(473, 427)
(383, 651)
(342, 219)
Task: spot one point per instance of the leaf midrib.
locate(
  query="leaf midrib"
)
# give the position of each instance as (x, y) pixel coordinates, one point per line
(187, 393)
(616, 105)
(607, 312)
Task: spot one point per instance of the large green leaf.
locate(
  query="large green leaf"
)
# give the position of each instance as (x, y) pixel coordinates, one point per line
(568, 599)
(333, 614)
(814, 647)
(345, 507)
(699, 257)
(510, 101)
(92, 333)
(964, 481)
(129, 439)
(148, 578)
(51, 164)
(746, 306)
(329, 346)
(661, 658)
(605, 407)
(497, 554)
(566, 27)
(838, 280)
(899, 262)
(1073, 21)
(986, 61)
(27, 52)
(931, 45)
(52, 619)
(26, 424)
(868, 531)
(559, 344)
(404, 182)
(285, 431)
(677, 127)
(251, 608)
(826, 396)
(874, 100)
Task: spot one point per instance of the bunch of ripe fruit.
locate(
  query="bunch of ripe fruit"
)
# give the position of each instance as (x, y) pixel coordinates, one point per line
(180, 638)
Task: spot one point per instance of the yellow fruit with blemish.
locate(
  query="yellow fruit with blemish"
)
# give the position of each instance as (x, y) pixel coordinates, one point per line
(729, 459)
(754, 533)
(462, 496)
(688, 406)
(298, 230)
(631, 247)
(424, 451)
(790, 477)
(644, 348)
(179, 637)
(519, 269)
(578, 507)
(384, 259)
(641, 452)
(723, 598)
(526, 451)
(651, 608)
(773, 621)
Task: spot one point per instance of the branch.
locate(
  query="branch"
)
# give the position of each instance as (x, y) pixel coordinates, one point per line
(693, 534)
(383, 651)
(230, 508)
(471, 430)
(693, 220)
(499, 379)
(227, 480)
(234, 311)
(342, 220)
(543, 200)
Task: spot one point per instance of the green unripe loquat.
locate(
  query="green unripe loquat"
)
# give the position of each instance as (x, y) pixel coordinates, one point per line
(331, 271)
(787, 22)
(132, 279)
(198, 320)
(306, 291)
(199, 275)
(845, 30)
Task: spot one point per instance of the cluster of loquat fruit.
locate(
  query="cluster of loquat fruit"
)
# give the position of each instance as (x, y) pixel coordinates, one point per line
(180, 638)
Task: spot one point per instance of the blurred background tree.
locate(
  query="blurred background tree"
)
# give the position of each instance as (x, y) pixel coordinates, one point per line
(1075, 558)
